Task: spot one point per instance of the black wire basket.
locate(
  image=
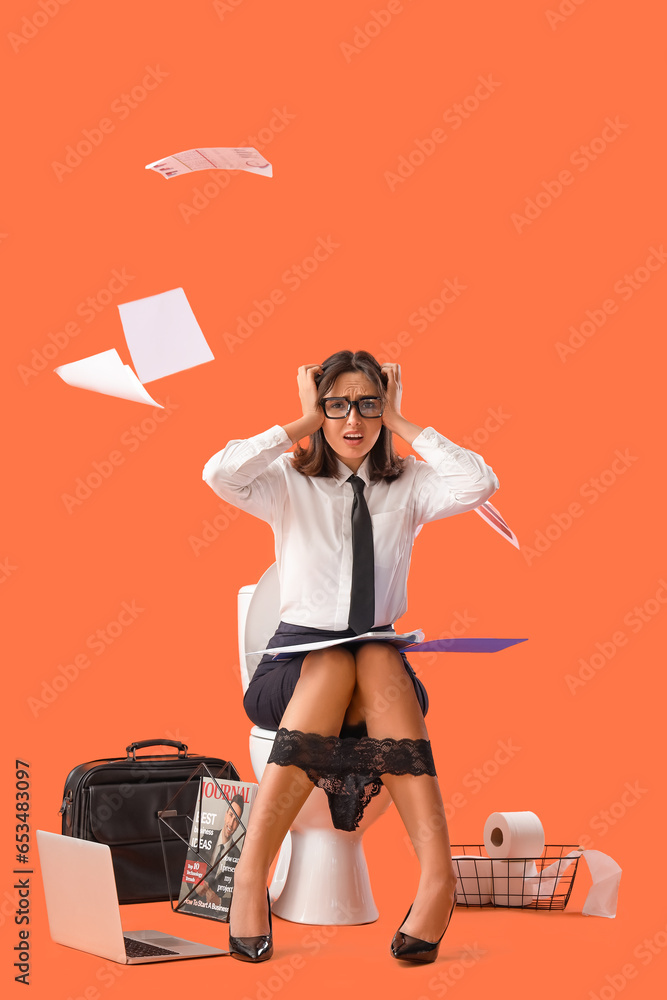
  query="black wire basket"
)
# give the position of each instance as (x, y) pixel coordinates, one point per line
(543, 883)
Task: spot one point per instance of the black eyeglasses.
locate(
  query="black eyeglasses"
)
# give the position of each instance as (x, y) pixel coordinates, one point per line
(338, 407)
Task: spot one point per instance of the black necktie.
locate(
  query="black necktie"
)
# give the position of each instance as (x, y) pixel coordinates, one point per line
(362, 592)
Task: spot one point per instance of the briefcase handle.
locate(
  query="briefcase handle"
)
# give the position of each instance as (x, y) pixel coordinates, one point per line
(140, 744)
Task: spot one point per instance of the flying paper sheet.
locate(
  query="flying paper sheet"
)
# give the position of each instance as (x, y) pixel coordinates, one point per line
(213, 158)
(163, 335)
(106, 373)
(407, 642)
(493, 517)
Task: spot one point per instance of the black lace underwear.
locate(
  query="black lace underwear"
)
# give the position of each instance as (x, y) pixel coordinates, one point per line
(348, 768)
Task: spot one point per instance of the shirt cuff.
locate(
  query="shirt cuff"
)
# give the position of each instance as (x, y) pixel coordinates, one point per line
(428, 439)
(276, 435)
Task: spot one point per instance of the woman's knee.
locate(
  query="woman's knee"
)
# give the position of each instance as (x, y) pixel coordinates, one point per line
(332, 669)
(379, 664)
(382, 680)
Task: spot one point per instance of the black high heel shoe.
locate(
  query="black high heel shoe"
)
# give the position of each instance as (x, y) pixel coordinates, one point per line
(412, 949)
(253, 949)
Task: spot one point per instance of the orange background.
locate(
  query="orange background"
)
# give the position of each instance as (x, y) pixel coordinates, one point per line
(174, 670)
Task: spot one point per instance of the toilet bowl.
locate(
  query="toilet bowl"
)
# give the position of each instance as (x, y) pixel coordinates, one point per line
(321, 876)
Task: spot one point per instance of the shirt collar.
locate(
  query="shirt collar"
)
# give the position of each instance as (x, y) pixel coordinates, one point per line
(362, 471)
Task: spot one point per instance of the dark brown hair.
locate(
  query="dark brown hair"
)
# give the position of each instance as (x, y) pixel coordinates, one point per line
(319, 459)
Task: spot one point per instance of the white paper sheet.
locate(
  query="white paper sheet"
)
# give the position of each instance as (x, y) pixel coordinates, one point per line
(405, 638)
(212, 158)
(106, 373)
(492, 516)
(163, 335)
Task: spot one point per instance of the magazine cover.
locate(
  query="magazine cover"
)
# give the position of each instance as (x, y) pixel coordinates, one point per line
(216, 839)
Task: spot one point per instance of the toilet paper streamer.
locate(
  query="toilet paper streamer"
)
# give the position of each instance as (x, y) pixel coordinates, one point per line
(513, 835)
(602, 898)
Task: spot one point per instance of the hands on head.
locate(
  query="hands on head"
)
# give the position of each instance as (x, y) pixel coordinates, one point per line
(307, 380)
(392, 406)
(308, 394)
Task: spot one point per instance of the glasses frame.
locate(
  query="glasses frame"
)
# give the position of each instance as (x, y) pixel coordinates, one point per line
(350, 404)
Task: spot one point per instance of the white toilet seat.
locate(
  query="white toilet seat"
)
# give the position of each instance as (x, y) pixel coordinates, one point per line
(263, 734)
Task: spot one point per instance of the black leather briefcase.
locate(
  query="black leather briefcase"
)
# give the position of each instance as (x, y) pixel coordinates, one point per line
(116, 801)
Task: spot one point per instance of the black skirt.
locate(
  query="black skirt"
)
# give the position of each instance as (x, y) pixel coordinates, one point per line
(273, 682)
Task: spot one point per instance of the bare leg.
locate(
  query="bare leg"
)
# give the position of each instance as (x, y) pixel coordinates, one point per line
(386, 698)
(318, 705)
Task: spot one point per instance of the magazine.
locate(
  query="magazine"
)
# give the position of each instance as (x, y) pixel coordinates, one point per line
(216, 839)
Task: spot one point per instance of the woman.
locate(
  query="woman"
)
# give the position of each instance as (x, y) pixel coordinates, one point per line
(334, 728)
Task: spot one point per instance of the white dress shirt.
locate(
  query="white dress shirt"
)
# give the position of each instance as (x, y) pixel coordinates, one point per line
(311, 518)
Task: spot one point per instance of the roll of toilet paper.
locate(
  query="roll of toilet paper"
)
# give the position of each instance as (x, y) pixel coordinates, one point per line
(513, 835)
(514, 882)
(473, 879)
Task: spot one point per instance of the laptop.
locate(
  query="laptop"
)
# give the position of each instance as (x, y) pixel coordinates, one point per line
(83, 910)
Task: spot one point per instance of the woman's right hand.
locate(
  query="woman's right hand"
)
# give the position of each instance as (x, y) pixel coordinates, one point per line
(308, 394)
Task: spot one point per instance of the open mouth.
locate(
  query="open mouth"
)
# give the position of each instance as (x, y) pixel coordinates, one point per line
(353, 438)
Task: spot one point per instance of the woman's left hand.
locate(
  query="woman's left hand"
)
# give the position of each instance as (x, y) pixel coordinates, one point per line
(392, 406)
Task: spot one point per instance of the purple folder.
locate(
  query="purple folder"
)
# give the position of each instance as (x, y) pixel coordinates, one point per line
(462, 645)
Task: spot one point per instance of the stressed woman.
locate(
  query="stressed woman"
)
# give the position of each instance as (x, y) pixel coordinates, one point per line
(345, 512)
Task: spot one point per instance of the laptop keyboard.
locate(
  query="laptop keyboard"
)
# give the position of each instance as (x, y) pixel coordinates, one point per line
(139, 949)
